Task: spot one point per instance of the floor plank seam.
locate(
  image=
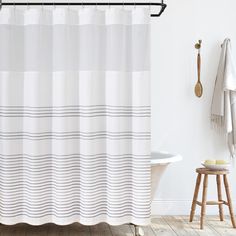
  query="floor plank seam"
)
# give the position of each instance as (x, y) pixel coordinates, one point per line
(169, 225)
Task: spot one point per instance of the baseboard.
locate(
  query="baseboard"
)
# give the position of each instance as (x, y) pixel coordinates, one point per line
(181, 207)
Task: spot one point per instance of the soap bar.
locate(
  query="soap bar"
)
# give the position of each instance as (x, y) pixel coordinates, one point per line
(210, 162)
(221, 162)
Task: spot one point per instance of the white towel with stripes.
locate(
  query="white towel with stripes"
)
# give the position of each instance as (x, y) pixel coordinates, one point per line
(223, 109)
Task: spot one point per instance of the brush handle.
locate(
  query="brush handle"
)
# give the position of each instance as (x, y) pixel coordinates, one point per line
(198, 67)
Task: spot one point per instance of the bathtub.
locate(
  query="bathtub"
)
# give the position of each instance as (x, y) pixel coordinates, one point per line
(159, 162)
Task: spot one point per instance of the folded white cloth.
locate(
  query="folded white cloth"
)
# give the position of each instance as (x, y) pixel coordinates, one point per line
(223, 109)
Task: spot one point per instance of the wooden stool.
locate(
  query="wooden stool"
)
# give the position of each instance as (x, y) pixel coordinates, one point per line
(204, 202)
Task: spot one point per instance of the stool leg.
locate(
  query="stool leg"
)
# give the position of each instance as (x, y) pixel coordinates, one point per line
(218, 180)
(204, 195)
(229, 201)
(198, 182)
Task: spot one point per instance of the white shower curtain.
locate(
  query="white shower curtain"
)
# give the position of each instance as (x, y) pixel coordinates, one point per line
(74, 116)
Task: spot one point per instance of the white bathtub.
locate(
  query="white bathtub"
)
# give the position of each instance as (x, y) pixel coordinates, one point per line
(159, 161)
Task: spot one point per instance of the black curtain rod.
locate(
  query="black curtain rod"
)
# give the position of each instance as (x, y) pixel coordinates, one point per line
(161, 4)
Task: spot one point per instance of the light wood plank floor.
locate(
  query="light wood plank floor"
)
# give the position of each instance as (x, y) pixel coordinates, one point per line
(161, 226)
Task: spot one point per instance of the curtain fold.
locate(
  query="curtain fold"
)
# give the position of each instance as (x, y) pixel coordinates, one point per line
(74, 116)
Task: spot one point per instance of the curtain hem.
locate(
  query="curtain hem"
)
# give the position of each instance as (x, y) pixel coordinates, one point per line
(74, 219)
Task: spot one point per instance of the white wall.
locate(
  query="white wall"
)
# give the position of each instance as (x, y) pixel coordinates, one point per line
(180, 121)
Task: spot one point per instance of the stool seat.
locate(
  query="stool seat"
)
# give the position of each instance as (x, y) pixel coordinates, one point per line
(218, 174)
(206, 171)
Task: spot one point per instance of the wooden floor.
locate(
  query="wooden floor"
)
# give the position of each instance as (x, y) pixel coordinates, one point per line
(161, 226)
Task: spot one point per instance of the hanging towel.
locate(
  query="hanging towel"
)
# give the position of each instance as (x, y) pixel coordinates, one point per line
(223, 110)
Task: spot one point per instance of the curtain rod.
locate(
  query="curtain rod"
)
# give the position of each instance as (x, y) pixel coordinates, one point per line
(161, 4)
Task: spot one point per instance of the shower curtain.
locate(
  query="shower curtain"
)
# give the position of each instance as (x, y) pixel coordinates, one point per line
(74, 116)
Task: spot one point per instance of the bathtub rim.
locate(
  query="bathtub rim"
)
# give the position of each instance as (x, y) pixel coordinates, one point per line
(165, 160)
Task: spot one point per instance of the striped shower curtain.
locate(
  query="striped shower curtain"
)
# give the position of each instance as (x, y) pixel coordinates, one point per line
(74, 116)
